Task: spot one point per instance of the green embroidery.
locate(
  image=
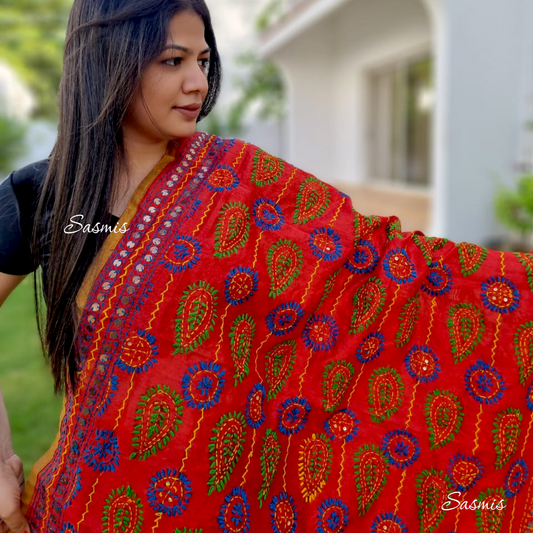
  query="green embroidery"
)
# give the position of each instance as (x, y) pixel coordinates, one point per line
(371, 469)
(158, 415)
(444, 417)
(285, 261)
(232, 229)
(225, 449)
(196, 317)
(385, 393)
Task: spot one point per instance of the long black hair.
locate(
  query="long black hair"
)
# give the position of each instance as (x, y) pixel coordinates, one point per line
(109, 44)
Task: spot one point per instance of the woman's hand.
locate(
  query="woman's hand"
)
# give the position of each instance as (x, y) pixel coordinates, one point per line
(11, 486)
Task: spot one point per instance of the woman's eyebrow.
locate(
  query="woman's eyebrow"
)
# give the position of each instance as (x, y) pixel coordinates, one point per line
(184, 48)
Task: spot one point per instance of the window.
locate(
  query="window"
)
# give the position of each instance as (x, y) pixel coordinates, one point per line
(400, 114)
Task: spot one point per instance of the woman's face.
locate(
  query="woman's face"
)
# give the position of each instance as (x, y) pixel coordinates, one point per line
(177, 79)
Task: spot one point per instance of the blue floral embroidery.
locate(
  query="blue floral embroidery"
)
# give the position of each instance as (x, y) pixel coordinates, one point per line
(104, 454)
(267, 214)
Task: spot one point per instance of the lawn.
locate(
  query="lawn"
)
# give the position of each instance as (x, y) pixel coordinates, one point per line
(25, 379)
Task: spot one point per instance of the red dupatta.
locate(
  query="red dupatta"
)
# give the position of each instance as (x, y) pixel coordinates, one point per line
(257, 356)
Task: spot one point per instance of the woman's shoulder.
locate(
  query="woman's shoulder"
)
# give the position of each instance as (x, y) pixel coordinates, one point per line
(27, 179)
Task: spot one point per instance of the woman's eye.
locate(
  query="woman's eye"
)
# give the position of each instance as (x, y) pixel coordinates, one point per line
(176, 59)
(204, 63)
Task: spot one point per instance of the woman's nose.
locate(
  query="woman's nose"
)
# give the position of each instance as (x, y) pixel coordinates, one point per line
(196, 80)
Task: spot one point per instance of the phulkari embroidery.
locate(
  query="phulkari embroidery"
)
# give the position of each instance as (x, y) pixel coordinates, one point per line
(256, 357)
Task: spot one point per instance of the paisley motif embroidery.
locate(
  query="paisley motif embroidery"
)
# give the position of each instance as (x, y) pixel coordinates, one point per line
(428, 245)
(234, 516)
(325, 244)
(279, 363)
(232, 229)
(500, 295)
(196, 317)
(223, 178)
(202, 384)
(506, 434)
(368, 302)
(255, 404)
(342, 425)
(284, 318)
(433, 488)
(314, 465)
(270, 457)
(471, 257)
(464, 472)
(527, 261)
(388, 523)
(490, 515)
(284, 517)
(484, 383)
(284, 260)
(293, 415)
(399, 267)
(139, 353)
(267, 169)
(312, 200)
(267, 214)
(336, 379)
(385, 393)
(401, 448)
(371, 347)
(333, 516)
(439, 280)
(328, 287)
(444, 417)
(240, 285)
(371, 471)
(408, 320)
(225, 448)
(516, 478)
(158, 417)
(169, 492)
(393, 230)
(466, 327)
(364, 259)
(422, 364)
(241, 338)
(184, 253)
(523, 347)
(123, 512)
(320, 333)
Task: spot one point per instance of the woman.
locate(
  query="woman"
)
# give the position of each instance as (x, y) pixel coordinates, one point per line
(251, 353)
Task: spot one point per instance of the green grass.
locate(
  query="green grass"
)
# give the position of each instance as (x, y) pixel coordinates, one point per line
(25, 378)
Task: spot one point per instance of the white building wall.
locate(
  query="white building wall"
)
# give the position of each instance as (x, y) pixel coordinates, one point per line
(326, 69)
(309, 70)
(368, 35)
(483, 53)
(483, 57)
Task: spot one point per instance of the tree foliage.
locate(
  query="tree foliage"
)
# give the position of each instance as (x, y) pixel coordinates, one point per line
(12, 143)
(261, 84)
(32, 38)
(514, 207)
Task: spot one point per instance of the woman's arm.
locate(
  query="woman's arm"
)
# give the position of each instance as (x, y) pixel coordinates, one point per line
(11, 472)
(8, 283)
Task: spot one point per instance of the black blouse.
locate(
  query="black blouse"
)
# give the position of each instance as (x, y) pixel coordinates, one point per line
(18, 203)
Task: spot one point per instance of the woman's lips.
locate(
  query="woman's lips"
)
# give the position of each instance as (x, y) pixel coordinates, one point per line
(188, 113)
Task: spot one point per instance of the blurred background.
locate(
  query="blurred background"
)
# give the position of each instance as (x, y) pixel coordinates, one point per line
(417, 108)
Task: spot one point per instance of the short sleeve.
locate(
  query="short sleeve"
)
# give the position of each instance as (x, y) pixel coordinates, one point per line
(15, 251)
